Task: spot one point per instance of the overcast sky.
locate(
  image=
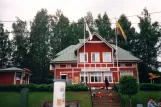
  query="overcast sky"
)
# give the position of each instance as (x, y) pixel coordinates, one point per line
(74, 9)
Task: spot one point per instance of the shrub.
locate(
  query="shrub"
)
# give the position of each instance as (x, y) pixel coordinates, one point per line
(150, 87)
(41, 87)
(116, 87)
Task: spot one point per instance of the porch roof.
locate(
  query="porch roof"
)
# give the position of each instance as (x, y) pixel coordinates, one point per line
(15, 69)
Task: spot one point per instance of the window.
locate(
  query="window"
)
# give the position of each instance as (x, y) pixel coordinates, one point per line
(108, 75)
(83, 57)
(96, 77)
(122, 73)
(82, 76)
(95, 57)
(106, 56)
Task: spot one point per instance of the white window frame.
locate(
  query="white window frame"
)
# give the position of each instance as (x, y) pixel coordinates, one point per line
(84, 56)
(123, 73)
(104, 57)
(95, 75)
(82, 75)
(107, 75)
(95, 57)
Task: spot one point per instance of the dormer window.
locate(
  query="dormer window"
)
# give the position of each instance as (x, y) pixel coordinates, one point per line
(106, 56)
(83, 57)
(95, 57)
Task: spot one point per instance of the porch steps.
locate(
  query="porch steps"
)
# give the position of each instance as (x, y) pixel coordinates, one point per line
(104, 102)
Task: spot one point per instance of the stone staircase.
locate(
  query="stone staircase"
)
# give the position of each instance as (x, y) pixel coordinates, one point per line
(104, 101)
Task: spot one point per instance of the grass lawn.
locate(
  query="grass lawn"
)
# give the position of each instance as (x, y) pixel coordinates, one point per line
(142, 97)
(12, 99)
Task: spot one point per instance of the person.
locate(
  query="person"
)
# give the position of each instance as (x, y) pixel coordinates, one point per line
(93, 94)
(99, 94)
(152, 103)
(159, 103)
(110, 96)
(106, 83)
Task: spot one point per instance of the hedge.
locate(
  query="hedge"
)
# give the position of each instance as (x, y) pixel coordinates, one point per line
(145, 87)
(150, 87)
(41, 87)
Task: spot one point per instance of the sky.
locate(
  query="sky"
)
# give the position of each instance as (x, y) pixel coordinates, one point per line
(74, 9)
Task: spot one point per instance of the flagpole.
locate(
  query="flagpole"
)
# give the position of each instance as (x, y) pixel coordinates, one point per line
(84, 48)
(116, 46)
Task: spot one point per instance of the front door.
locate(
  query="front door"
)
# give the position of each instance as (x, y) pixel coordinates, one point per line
(64, 77)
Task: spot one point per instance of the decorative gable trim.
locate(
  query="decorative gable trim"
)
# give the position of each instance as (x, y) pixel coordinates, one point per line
(102, 40)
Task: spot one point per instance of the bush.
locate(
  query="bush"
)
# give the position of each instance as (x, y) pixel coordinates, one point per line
(128, 85)
(116, 87)
(150, 87)
(77, 87)
(41, 87)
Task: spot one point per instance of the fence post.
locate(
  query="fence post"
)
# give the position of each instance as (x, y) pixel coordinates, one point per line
(24, 97)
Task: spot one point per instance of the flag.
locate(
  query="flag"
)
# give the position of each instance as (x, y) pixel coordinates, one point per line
(120, 30)
(87, 29)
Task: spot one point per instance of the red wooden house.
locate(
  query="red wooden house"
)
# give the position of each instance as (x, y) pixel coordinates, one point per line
(95, 62)
(14, 75)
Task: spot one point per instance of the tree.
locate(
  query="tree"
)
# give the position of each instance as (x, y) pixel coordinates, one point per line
(104, 27)
(128, 86)
(5, 49)
(149, 37)
(40, 46)
(20, 43)
(60, 27)
(132, 35)
(147, 50)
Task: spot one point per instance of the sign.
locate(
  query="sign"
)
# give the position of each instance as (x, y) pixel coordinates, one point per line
(59, 102)
(59, 94)
(95, 69)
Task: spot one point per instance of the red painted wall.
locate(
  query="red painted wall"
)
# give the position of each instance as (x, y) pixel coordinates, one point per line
(6, 78)
(95, 47)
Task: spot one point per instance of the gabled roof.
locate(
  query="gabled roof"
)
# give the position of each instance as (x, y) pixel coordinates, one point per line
(68, 54)
(124, 55)
(95, 34)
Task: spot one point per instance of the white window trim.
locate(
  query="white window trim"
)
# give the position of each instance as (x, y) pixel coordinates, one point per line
(110, 57)
(80, 57)
(98, 55)
(109, 75)
(97, 75)
(86, 75)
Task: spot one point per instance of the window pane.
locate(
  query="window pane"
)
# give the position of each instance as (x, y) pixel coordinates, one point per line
(96, 80)
(99, 79)
(93, 57)
(82, 79)
(107, 57)
(81, 57)
(97, 57)
(92, 79)
(85, 57)
(110, 79)
(86, 79)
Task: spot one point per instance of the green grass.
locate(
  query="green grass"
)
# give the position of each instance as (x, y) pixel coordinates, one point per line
(12, 99)
(142, 97)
